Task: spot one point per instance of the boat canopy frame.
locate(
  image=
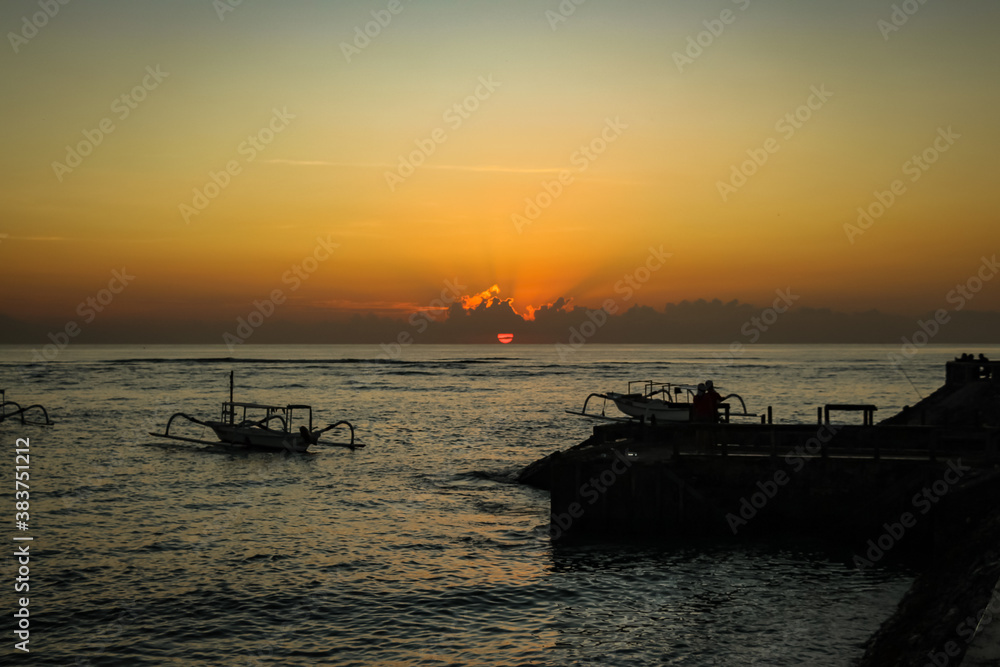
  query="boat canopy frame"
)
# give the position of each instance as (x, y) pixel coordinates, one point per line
(284, 414)
(670, 390)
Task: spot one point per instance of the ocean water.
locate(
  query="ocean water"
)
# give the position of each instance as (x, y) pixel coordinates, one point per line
(419, 549)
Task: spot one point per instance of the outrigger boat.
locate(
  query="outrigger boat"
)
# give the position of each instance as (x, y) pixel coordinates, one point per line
(261, 426)
(659, 402)
(10, 409)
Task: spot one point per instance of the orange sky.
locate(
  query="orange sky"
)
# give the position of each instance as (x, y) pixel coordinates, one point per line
(626, 138)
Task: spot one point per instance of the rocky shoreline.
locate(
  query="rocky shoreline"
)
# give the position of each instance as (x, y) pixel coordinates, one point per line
(950, 606)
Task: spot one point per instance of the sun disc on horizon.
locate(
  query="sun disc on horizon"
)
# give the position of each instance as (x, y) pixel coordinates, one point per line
(505, 338)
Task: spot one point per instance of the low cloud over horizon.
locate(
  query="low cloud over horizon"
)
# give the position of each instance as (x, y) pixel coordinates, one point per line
(480, 318)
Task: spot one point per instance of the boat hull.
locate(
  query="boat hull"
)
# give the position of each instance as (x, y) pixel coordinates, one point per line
(259, 438)
(640, 406)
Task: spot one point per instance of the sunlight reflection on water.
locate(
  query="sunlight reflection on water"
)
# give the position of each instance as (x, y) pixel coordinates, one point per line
(418, 549)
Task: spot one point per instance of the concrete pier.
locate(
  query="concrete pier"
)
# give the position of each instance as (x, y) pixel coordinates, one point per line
(744, 480)
(636, 479)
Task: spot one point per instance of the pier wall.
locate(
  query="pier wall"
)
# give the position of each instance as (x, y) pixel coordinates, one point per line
(627, 490)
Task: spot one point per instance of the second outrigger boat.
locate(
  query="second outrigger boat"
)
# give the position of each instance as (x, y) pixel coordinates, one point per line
(10, 410)
(659, 402)
(261, 426)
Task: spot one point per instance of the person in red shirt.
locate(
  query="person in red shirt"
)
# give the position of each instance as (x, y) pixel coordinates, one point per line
(701, 406)
(712, 400)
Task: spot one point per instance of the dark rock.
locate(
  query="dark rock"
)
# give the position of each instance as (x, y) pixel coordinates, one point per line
(938, 614)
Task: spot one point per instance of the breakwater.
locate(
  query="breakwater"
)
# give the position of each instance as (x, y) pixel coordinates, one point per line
(637, 478)
(630, 481)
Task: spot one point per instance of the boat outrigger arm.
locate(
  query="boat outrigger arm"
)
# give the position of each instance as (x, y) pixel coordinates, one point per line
(18, 411)
(583, 412)
(723, 400)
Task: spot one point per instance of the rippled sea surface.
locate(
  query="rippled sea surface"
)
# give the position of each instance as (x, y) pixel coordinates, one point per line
(419, 549)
